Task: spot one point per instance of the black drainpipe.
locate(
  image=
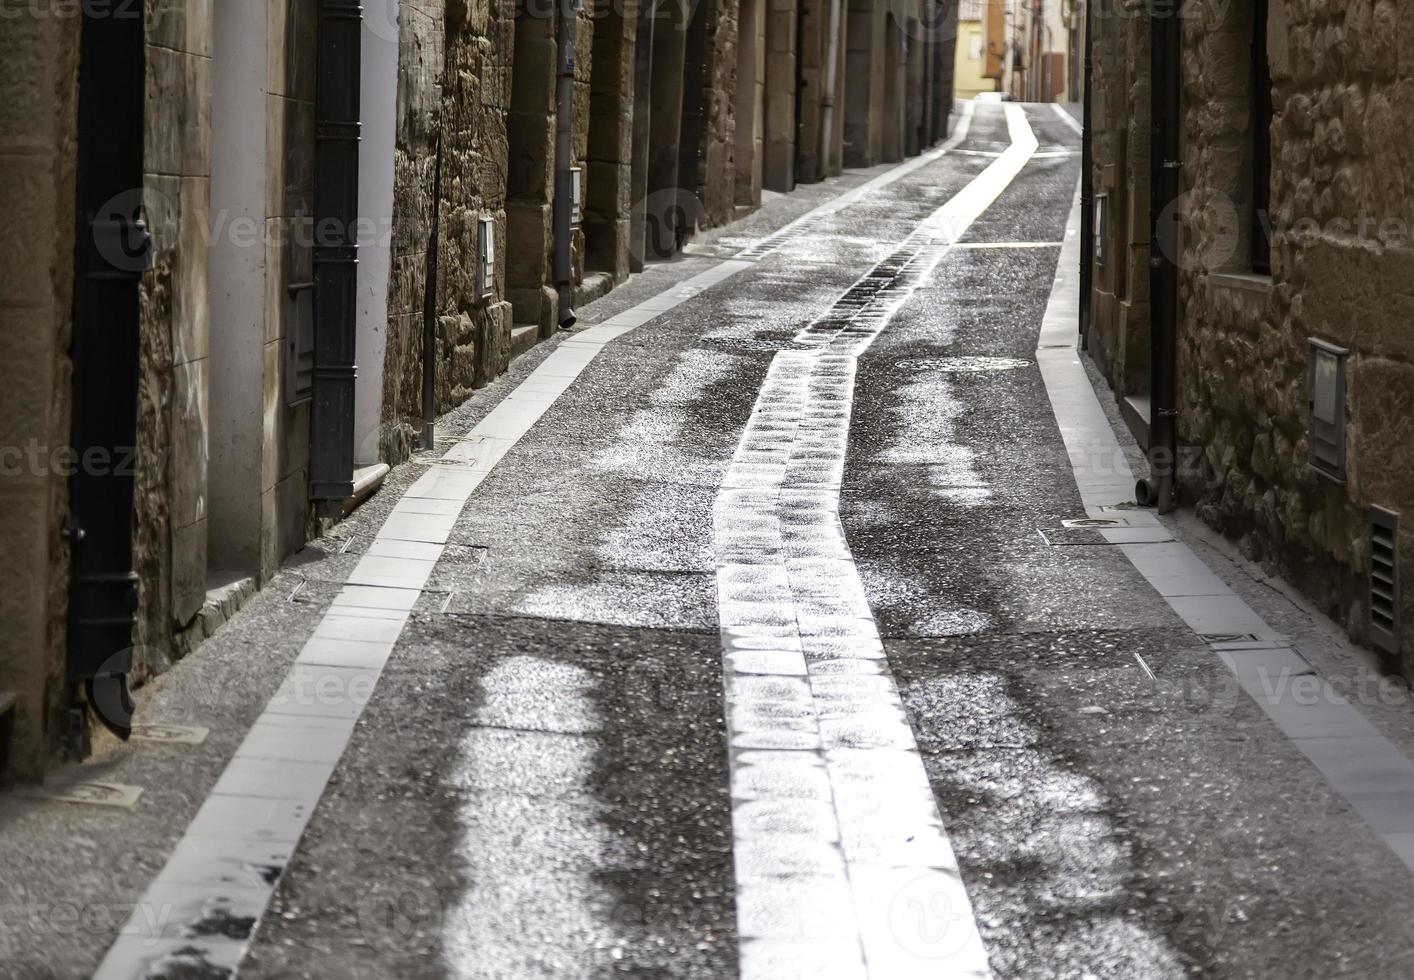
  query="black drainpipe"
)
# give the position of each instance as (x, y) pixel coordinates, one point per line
(336, 137)
(111, 250)
(429, 310)
(1087, 192)
(1164, 165)
(562, 210)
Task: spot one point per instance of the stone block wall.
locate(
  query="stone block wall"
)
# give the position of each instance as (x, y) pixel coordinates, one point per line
(38, 102)
(717, 176)
(780, 129)
(454, 81)
(1342, 255)
(608, 153)
(289, 209)
(1119, 332)
(170, 540)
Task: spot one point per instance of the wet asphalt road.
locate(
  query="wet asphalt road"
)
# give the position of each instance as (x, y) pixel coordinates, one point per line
(539, 786)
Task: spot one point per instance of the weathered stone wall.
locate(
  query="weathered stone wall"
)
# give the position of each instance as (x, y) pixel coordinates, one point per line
(608, 156)
(863, 106)
(170, 539)
(38, 101)
(1342, 255)
(813, 43)
(454, 79)
(749, 100)
(289, 209)
(778, 171)
(1342, 258)
(716, 187)
(1119, 332)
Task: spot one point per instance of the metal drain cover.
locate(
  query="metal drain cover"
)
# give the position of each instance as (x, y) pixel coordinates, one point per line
(969, 364)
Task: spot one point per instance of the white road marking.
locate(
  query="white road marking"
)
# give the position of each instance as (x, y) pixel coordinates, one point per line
(806, 221)
(1068, 119)
(256, 822)
(971, 245)
(1318, 719)
(843, 867)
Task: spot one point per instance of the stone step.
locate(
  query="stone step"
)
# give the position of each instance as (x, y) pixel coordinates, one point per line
(523, 338)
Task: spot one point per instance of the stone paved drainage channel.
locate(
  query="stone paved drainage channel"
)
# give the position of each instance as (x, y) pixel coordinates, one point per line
(843, 866)
(232, 854)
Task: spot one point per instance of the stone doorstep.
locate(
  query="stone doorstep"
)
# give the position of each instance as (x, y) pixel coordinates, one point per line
(222, 603)
(523, 337)
(596, 285)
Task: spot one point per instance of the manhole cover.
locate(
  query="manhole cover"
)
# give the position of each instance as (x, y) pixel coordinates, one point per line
(1097, 522)
(968, 365)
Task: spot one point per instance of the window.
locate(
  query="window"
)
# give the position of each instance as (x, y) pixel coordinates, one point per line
(1261, 143)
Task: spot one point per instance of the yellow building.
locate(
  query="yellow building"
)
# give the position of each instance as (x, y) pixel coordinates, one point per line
(969, 64)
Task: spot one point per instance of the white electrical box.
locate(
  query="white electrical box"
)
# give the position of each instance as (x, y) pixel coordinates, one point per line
(1326, 392)
(486, 254)
(576, 194)
(1102, 228)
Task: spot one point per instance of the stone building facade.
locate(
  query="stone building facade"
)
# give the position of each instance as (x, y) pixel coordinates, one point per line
(1289, 243)
(680, 113)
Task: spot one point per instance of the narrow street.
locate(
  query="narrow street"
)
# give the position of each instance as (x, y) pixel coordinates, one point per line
(760, 626)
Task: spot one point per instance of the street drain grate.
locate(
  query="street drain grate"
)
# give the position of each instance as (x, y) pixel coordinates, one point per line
(969, 364)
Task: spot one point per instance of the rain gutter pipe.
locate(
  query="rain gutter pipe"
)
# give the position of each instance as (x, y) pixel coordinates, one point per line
(1164, 166)
(827, 101)
(1087, 192)
(563, 214)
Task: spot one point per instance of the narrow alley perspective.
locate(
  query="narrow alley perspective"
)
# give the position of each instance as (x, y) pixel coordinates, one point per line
(784, 490)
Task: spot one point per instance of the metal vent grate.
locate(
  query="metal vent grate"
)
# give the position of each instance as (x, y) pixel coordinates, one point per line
(1326, 391)
(1384, 579)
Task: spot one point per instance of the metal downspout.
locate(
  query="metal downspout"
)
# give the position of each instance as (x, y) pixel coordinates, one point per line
(563, 212)
(1087, 192)
(429, 309)
(827, 98)
(1163, 292)
(336, 138)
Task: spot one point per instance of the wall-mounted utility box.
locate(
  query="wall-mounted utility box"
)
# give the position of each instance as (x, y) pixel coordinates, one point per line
(299, 343)
(576, 194)
(1326, 391)
(1384, 579)
(1102, 228)
(486, 257)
